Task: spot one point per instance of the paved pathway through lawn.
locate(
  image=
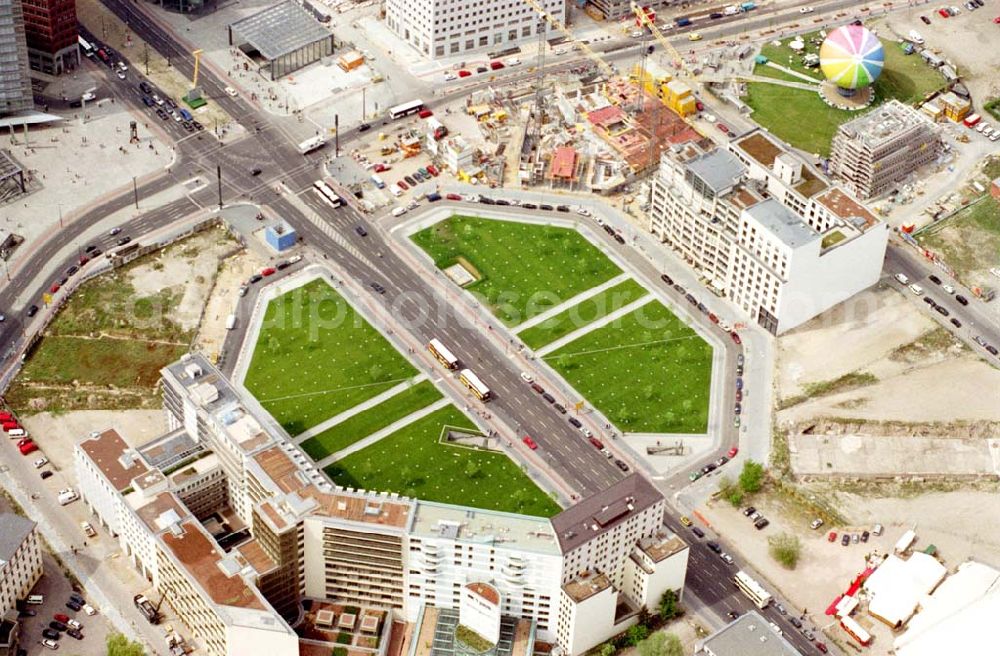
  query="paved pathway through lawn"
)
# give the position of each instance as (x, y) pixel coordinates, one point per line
(595, 325)
(361, 407)
(570, 302)
(388, 430)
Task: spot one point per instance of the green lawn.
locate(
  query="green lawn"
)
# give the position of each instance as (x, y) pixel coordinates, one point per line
(524, 268)
(371, 420)
(316, 357)
(413, 463)
(802, 119)
(647, 372)
(582, 314)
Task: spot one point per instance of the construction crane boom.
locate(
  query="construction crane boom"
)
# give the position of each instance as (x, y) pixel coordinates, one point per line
(554, 22)
(643, 18)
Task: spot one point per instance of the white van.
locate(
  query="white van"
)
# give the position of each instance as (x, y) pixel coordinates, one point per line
(17, 432)
(399, 211)
(396, 190)
(903, 280)
(230, 322)
(35, 600)
(67, 496)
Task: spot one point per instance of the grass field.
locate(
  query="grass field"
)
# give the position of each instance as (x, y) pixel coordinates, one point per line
(525, 269)
(582, 314)
(969, 241)
(371, 420)
(646, 371)
(802, 119)
(412, 462)
(315, 357)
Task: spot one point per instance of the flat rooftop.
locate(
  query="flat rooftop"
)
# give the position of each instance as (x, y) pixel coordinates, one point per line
(369, 508)
(847, 209)
(586, 586)
(749, 635)
(14, 530)
(603, 511)
(783, 223)
(280, 29)
(281, 469)
(437, 520)
(108, 451)
(661, 547)
(719, 169)
(884, 123)
(256, 557)
(163, 506)
(758, 146)
(199, 555)
(167, 450)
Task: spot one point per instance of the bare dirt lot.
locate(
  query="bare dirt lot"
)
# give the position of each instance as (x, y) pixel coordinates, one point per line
(224, 297)
(60, 432)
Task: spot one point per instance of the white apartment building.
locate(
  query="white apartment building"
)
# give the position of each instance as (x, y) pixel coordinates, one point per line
(20, 559)
(768, 231)
(310, 539)
(456, 28)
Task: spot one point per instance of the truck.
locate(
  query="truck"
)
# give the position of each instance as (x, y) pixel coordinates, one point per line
(748, 6)
(147, 608)
(971, 120)
(230, 322)
(682, 22)
(311, 144)
(436, 128)
(731, 10)
(378, 182)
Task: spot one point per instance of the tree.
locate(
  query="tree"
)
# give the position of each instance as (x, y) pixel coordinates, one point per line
(119, 645)
(730, 491)
(668, 606)
(661, 644)
(636, 634)
(473, 469)
(785, 548)
(607, 649)
(752, 477)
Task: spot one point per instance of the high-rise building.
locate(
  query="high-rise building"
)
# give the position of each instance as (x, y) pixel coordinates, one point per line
(450, 28)
(766, 230)
(20, 559)
(15, 81)
(50, 27)
(308, 539)
(874, 152)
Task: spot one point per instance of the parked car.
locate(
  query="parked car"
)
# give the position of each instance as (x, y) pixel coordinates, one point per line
(530, 442)
(845, 539)
(697, 531)
(816, 523)
(749, 510)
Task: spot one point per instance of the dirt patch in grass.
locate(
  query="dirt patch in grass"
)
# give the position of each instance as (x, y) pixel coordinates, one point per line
(969, 241)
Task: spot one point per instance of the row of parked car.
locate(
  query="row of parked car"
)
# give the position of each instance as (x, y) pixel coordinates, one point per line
(166, 109)
(62, 623)
(759, 521)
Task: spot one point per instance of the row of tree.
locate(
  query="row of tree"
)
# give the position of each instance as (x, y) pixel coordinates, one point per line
(644, 635)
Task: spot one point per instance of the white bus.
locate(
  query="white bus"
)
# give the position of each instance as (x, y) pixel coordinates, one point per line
(755, 591)
(477, 386)
(444, 356)
(311, 144)
(326, 194)
(412, 107)
(88, 50)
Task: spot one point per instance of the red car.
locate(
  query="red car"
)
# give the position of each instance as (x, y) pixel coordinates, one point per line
(832, 537)
(723, 128)
(54, 288)
(819, 645)
(943, 13)
(530, 442)
(403, 185)
(379, 168)
(713, 318)
(496, 66)
(26, 447)
(736, 337)
(59, 617)
(732, 452)
(84, 259)
(6, 416)
(464, 74)
(425, 113)
(433, 170)
(9, 425)
(997, 20)
(453, 197)
(269, 271)
(597, 443)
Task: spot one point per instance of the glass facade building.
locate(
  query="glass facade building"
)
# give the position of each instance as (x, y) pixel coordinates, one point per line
(15, 83)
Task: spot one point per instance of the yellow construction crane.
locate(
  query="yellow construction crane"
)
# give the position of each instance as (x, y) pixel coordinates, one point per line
(197, 63)
(554, 22)
(643, 18)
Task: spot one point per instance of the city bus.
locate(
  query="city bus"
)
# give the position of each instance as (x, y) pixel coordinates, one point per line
(855, 630)
(753, 590)
(88, 50)
(326, 194)
(477, 386)
(311, 144)
(412, 107)
(444, 356)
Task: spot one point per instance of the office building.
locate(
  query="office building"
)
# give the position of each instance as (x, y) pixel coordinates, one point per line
(15, 81)
(875, 152)
(748, 635)
(50, 28)
(456, 28)
(233, 524)
(764, 229)
(20, 559)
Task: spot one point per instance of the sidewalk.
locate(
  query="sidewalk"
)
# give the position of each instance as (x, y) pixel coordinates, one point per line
(570, 302)
(595, 325)
(359, 408)
(388, 430)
